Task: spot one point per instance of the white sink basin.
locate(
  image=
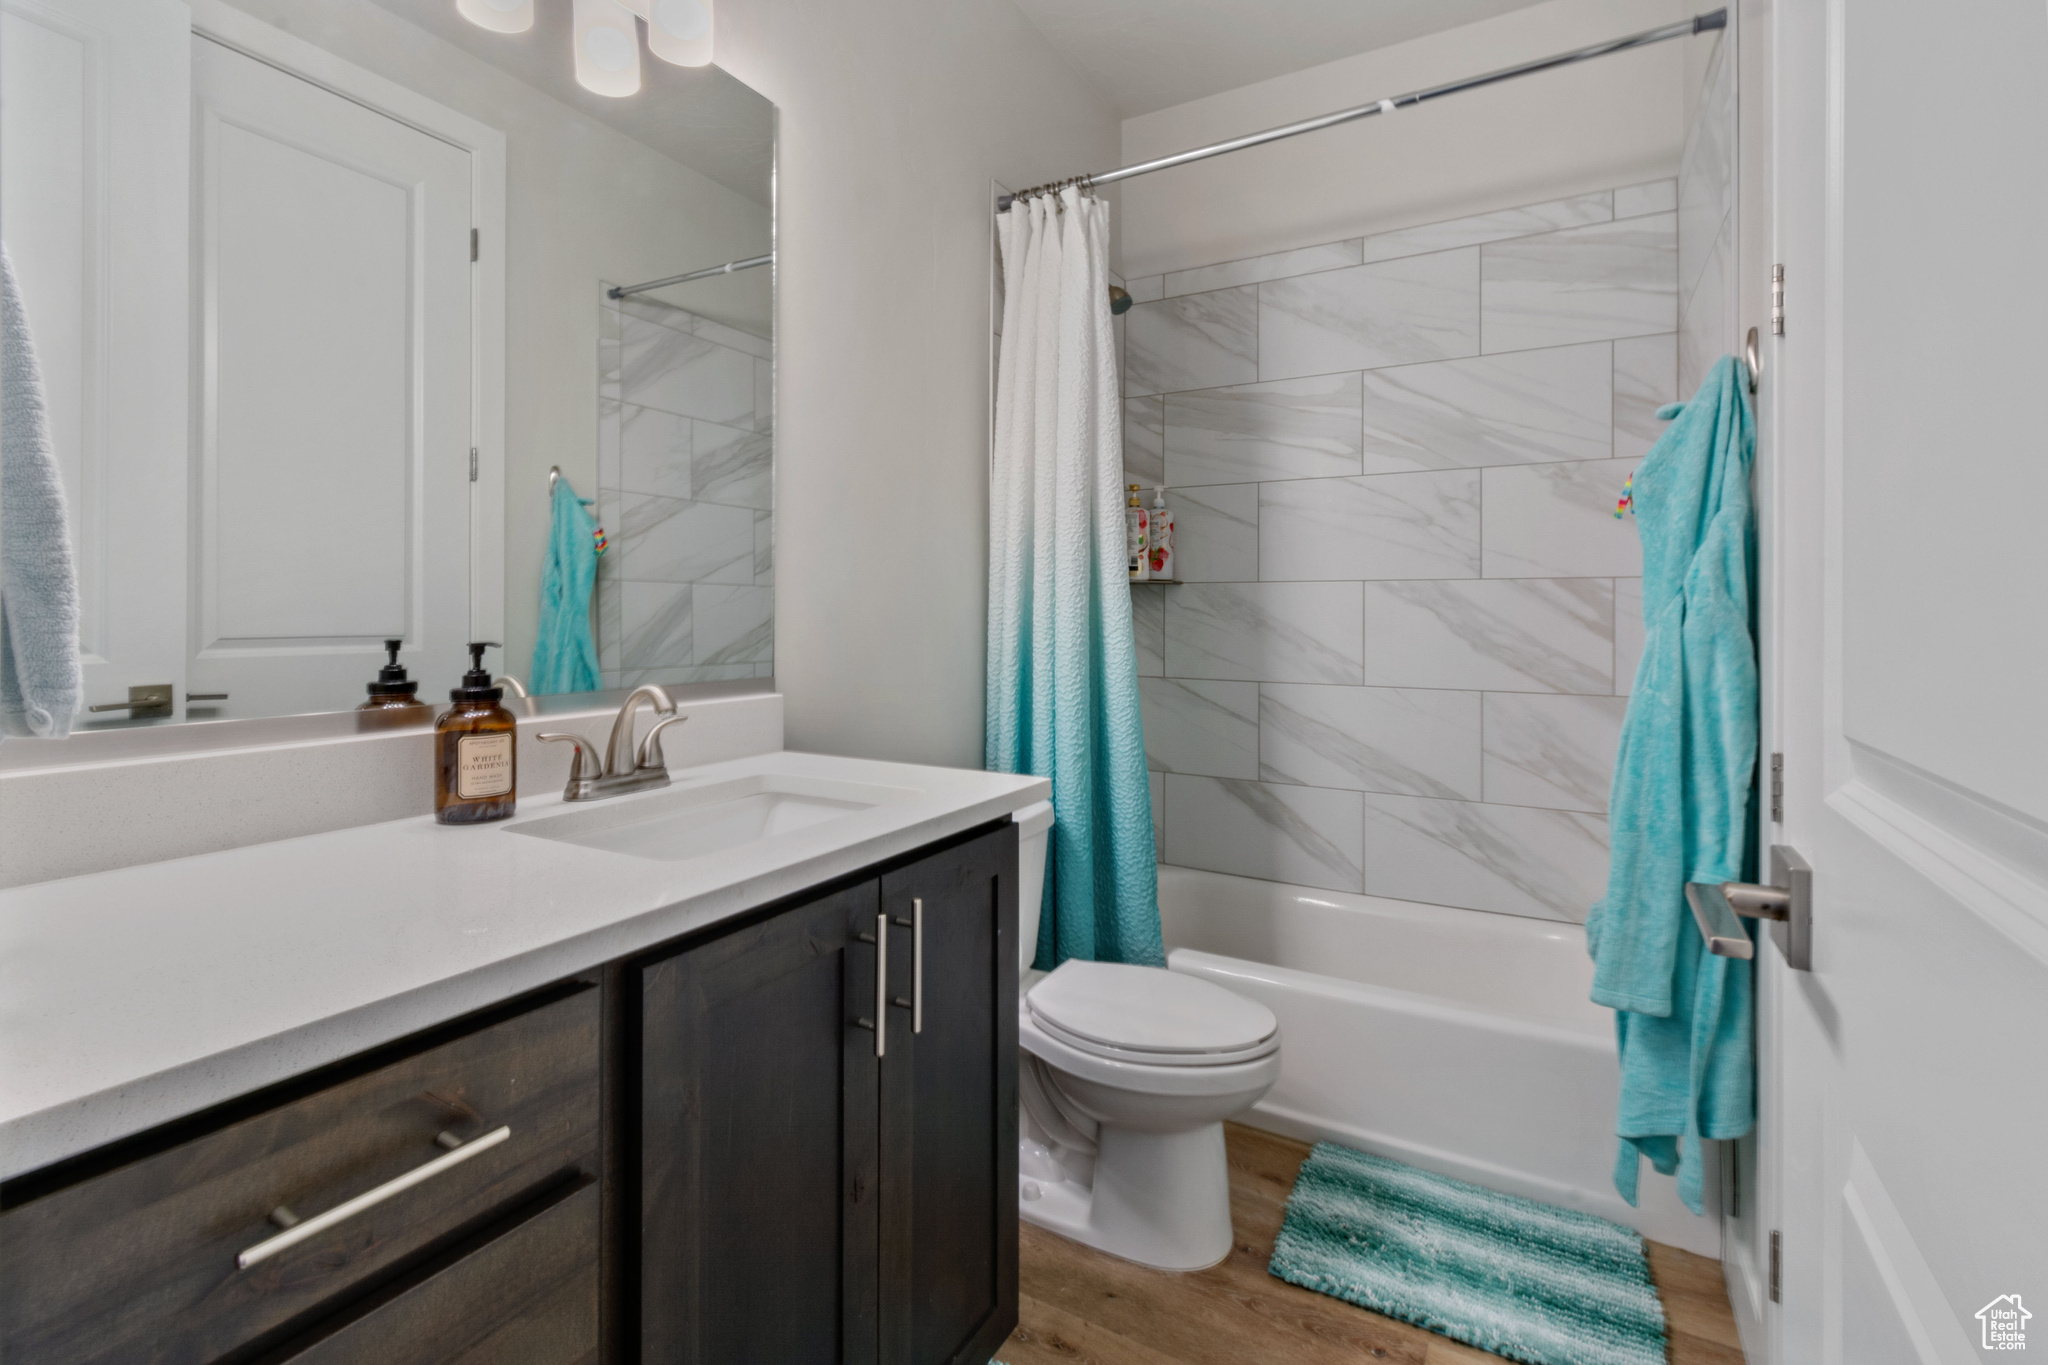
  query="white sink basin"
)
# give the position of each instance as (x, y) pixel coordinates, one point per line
(678, 824)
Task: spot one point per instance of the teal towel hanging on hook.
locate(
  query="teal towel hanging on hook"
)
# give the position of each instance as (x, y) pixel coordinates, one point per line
(565, 655)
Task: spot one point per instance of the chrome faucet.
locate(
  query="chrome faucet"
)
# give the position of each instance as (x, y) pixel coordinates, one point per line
(622, 768)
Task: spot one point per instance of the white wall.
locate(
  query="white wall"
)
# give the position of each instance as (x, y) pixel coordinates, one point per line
(583, 204)
(1615, 121)
(895, 116)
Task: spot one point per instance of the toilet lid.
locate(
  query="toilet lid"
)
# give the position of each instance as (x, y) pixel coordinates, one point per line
(1148, 1014)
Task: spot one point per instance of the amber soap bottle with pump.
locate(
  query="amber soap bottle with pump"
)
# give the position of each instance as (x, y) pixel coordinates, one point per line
(476, 750)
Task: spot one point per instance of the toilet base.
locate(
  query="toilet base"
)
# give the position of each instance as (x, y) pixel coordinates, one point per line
(1160, 1199)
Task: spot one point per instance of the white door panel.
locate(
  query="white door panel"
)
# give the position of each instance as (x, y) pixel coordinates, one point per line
(332, 458)
(1911, 1087)
(93, 208)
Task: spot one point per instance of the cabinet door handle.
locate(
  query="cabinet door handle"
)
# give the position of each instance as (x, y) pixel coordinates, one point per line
(915, 1004)
(301, 1230)
(917, 965)
(881, 981)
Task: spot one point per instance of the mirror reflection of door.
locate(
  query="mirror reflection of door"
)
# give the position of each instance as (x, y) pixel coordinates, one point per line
(209, 245)
(93, 209)
(331, 268)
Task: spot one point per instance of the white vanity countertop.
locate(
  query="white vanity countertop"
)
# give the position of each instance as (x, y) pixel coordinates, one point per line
(132, 997)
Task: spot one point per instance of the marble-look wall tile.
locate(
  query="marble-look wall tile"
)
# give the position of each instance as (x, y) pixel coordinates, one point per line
(1305, 835)
(610, 348)
(683, 675)
(764, 395)
(1211, 728)
(669, 540)
(1555, 751)
(1216, 533)
(1553, 404)
(732, 336)
(1148, 626)
(1253, 270)
(653, 310)
(1157, 781)
(1195, 341)
(1266, 632)
(654, 624)
(764, 547)
(1706, 171)
(1382, 526)
(610, 624)
(1656, 196)
(1379, 739)
(733, 625)
(1583, 284)
(1557, 521)
(686, 375)
(1387, 313)
(1645, 379)
(1576, 211)
(608, 419)
(1289, 429)
(1496, 634)
(1706, 325)
(1146, 288)
(1145, 441)
(1511, 860)
(732, 467)
(1628, 633)
(654, 452)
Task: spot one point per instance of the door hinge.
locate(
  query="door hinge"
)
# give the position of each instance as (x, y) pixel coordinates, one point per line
(1777, 300)
(473, 236)
(1777, 1268)
(472, 479)
(1777, 782)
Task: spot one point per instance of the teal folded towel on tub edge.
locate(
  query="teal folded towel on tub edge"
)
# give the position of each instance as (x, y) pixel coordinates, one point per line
(1681, 807)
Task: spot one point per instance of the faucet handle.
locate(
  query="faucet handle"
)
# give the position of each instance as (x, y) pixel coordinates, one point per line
(651, 755)
(585, 767)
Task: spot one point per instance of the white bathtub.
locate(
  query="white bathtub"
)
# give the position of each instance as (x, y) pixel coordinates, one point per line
(1455, 1040)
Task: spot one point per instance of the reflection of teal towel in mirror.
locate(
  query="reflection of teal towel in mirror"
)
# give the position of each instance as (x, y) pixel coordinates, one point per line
(39, 672)
(565, 656)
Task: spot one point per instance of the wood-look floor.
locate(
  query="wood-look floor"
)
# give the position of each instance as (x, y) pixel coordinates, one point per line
(1080, 1307)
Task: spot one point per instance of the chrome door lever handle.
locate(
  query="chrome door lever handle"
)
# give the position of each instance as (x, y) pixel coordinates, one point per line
(1718, 908)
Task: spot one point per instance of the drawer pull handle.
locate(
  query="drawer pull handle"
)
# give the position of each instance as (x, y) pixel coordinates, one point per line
(308, 1227)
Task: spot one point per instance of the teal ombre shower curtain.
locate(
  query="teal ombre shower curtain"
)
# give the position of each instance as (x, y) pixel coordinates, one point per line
(1062, 664)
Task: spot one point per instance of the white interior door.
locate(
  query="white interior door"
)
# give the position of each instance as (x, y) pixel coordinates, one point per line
(1910, 1170)
(93, 209)
(333, 434)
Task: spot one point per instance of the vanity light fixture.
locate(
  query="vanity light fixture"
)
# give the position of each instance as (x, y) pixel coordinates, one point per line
(499, 16)
(607, 47)
(606, 38)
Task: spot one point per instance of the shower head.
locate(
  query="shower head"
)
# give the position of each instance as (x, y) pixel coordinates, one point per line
(1119, 299)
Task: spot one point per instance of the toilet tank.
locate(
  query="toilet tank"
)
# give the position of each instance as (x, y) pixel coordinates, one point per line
(1034, 835)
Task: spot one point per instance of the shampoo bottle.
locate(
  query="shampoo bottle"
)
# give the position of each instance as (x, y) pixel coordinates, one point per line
(1162, 537)
(1137, 536)
(475, 750)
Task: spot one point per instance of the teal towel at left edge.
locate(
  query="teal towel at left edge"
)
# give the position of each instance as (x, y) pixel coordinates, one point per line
(565, 655)
(1681, 807)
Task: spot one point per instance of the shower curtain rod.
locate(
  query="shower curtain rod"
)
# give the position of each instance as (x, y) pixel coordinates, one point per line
(1701, 23)
(620, 291)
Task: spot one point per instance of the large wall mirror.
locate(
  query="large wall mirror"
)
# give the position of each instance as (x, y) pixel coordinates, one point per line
(325, 294)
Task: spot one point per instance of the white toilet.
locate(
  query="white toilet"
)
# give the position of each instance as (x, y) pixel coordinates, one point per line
(1126, 1076)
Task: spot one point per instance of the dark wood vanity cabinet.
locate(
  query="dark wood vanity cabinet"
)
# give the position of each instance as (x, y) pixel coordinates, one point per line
(811, 1190)
(704, 1153)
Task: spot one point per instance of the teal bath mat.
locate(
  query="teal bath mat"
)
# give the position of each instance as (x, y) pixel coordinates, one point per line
(1524, 1280)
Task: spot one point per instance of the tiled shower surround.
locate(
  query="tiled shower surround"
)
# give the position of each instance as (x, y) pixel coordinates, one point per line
(685, 491)
(1399, 657)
